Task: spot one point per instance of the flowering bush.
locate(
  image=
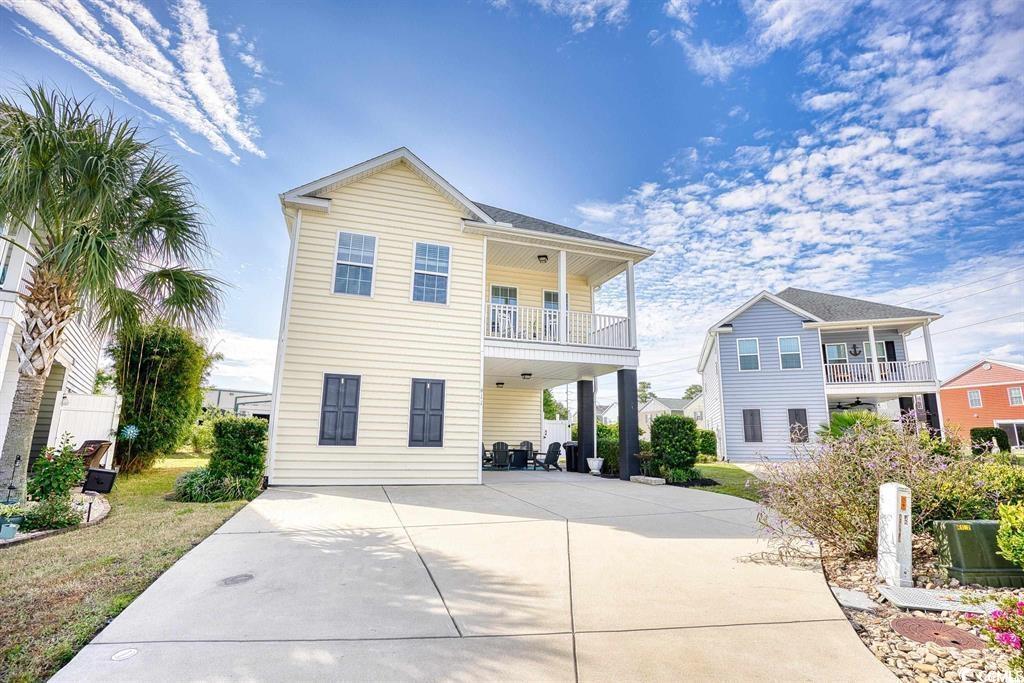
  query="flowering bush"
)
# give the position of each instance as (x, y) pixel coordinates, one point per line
(1004, 628)
(1010, 536)
(56, 471)
(974, 487)
(830, 491)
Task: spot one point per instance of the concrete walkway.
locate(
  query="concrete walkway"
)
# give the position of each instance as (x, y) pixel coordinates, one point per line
(533, 576)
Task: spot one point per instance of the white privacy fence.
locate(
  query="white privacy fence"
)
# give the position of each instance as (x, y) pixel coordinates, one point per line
(526, 323)
(889, 371)
(88, 417)
(555, 431)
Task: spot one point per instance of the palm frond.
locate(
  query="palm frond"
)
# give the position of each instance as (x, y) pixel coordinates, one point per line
(183, 297)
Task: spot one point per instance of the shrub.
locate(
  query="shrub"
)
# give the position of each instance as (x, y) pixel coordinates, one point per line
(973, 489)
(841, 422)
(160, 371)
(56, 471)
(201, 438)
(830, 491)
(707, 443)
(674, 440)
(678, 475)
(54, 512)
(1010, 536)
(203, 486)
(981, 439)
(239, 447)
(1004, 628)
(608, 448)
(648, 466)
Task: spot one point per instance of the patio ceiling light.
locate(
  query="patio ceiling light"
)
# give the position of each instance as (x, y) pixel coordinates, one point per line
(499, 384)
(543, 258)
(526, 375)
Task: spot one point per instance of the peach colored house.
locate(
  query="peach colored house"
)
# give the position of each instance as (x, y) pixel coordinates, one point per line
(989, 393)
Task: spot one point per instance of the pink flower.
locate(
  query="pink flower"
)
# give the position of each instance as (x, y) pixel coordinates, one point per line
(1009, 639)
(997, 614)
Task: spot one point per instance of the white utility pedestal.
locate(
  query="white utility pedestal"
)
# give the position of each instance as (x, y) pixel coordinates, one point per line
(894, 535)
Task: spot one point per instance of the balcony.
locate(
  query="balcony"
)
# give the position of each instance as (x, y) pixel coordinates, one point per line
(890, 372)
(529, 324)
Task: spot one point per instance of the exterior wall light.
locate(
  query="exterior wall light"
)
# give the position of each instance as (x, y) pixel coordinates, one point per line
(526, 375)
(543, 258)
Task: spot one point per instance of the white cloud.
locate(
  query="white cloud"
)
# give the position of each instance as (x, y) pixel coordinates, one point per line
(122, 47)
(584, 14)
(248, 362)
(829, 100)
(888, 197)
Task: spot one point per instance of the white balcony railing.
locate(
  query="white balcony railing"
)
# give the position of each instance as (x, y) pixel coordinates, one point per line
(890, 371)
(526, 323)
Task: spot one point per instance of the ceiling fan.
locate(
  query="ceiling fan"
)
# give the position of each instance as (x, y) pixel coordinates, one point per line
(856, 403)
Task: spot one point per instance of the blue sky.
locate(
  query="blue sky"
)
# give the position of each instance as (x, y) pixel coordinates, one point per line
(862, 148)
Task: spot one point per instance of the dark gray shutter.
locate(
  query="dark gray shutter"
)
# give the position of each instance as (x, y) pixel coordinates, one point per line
(798, 425)
(426, 413)
(890, 350)
(752, 424)
(339, 410)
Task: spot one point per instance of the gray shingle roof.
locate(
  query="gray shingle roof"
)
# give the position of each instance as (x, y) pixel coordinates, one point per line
(525, 222)
(832, 307)
(675, 403)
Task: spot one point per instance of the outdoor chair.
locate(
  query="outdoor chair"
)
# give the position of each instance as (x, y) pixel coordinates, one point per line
(550, 458)
(499, 456)
(92, 452)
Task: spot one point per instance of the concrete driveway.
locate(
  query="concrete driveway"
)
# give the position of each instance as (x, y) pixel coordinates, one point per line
(533, 576)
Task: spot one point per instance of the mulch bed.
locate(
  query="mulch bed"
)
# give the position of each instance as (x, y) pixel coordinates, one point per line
(699, 481)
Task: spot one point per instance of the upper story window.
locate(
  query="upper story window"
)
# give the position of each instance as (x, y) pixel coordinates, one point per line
(880, 352)
(354, 264)
(504, 296)
(551, 300)
(974, 398)
(790, 357)
(835, 353)
(1016, 396)
(430, 273)
(748, 352)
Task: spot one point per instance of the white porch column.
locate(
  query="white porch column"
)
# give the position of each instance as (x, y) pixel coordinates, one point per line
(631, 304)
(875, 373)
(929, 352)
(563, 300)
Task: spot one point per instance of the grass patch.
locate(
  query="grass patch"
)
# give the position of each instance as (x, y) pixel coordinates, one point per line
(57, 592)
(732, 480)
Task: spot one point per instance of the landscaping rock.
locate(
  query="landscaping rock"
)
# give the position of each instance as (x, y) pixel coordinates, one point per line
(651, 481)
(854, 599)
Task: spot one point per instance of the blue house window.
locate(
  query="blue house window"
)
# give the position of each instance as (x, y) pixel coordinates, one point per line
(354, 264)
(430, 273)
(747, 350)
(790, 357)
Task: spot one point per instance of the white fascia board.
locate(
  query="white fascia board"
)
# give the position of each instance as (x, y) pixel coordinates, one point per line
(846, 324)
(506, 230)
(310, 203)
(770, 297)
(384, 160)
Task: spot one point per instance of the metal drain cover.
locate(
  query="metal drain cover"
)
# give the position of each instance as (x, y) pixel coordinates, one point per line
(944, 635)
(236, 579)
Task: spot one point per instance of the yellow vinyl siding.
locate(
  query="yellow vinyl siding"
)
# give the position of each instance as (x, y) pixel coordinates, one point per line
(512, 415)
(386, 339)
(532, 283)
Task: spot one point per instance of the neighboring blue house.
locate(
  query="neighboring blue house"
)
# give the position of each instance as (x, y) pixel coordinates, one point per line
(776, 367)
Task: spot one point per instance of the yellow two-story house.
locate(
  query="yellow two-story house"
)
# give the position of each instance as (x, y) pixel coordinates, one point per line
(418, 325)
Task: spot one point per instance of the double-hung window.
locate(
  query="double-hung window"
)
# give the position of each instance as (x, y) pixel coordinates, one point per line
(798, 425)
(354, 264)
(752, 425)
(880, 352)
(430, 273)
(790, 357)
(1016, 395)
(974, 398)
(835, 353)
(747, 350)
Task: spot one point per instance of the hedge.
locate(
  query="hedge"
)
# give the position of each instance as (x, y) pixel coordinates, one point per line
(239, 447)
(674, 441)
(707, 443)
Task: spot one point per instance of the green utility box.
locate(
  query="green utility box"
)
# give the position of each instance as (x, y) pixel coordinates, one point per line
(967, 550)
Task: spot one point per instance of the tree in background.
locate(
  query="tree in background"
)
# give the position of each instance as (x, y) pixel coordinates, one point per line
(112, 237)
(644, 393)
(159, 370)
(693, 391)
(554, 409)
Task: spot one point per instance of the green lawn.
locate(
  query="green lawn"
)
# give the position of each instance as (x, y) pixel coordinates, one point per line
(731, 480)
(57, 592)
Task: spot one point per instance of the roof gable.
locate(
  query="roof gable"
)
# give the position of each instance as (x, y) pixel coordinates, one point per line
(835, 308)
(307, 196)
(997, 371)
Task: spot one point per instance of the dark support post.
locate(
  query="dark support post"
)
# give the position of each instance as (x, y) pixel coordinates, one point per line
(585, 417)
(629, 428)
(931, 412)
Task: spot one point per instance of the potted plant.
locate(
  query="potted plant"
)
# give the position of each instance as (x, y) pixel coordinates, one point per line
(12, 514)
(648, 467)
(595, 465)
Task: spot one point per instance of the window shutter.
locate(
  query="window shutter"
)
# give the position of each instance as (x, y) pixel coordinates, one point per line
(890, 350)
(426, 413)
(752, 425)
(798, 425)
(339, 410)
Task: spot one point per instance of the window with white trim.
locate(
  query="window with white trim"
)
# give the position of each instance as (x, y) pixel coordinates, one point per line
(835, 353)
(354, 264)
(790, 356)
(1016, 396)
(430, 273)
(974, 398)
(748, 352)
(879, 350)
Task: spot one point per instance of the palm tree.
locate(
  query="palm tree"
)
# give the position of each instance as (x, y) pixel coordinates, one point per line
(112, 234)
